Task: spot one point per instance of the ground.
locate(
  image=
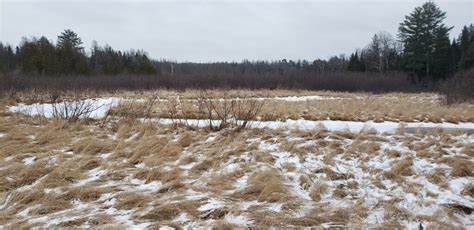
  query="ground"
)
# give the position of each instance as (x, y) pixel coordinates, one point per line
(370, 165)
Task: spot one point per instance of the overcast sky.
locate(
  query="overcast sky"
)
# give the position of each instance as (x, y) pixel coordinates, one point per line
(220, 30)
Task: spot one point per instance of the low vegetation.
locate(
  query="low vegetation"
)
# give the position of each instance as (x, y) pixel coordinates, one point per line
(126, 169)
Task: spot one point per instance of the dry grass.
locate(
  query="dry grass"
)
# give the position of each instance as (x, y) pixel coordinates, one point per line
(158, 174)
(468, 190)
(185, 140)
(184, 168)
(401, 168)
(202, 166)
(333, 175)
(169, 211)
(146, 146)
(62, 175)
(30, 174)
(93, 146)
(85, 193)
(437, 176)
(461, 167)
(132, 200)
(392, 153)
(347, 106)
(264, 185)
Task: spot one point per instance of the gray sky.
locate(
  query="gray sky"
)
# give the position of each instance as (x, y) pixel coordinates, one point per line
(220, 30)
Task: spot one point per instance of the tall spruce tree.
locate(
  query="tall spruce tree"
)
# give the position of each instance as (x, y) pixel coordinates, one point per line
(425, 38)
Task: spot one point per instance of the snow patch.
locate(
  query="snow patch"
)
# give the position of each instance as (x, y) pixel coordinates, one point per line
(93, 174)
(29, 160)
(211, 204)
(331, 125)
(100, 107)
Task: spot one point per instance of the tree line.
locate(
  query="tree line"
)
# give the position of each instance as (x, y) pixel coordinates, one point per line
(422, 52)
(67, 57)
(423, 48)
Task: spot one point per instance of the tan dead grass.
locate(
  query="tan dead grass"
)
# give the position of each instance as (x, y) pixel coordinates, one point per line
(132, 200)
(187, 160)
(185, 139)
(392, 212)
(401, 168)
(461, 167)
(392, 153)
(53, 133)
(224, 225)
(51, 204)
(437, 176)
(169, 151)
(158, 174)
(468, 149)
(175, 185)
(340, 192)
(85, 193)
(264, 157)
(202, 166)
(468, 190)
(124, 130)
(146, 146)
(62, 175)
(305, 182)
(264, 185)
(29, 174)
(93, 145)
(168, 211)
(348, 106)
(333, 175)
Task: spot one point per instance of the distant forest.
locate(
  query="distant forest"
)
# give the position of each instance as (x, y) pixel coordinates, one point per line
(421, 56)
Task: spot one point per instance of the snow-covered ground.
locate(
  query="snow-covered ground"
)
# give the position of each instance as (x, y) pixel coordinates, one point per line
(352, 126)
(98, 107)
(347, 173)
(291, 173)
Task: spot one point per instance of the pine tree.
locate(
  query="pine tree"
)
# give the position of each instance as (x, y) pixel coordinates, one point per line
(424, 34)
(69, 39)
(71, 54)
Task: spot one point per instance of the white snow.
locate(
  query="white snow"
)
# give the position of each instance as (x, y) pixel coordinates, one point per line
(211, 204)
(29, 160)
(239, 220)
(331, 125)
(93, 174)
(105, 155)
(100, 107)
(142, 185)
(298, 98)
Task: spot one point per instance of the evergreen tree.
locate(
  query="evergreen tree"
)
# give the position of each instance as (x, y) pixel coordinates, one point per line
(7, 58)
(71, 54)
(424, 37)
(68, 39)
(466, 43)
(441, 54)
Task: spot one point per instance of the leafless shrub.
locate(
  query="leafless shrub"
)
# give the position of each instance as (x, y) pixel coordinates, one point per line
(228, 112)
(458, 89)
(71, 109)
(135, 109)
